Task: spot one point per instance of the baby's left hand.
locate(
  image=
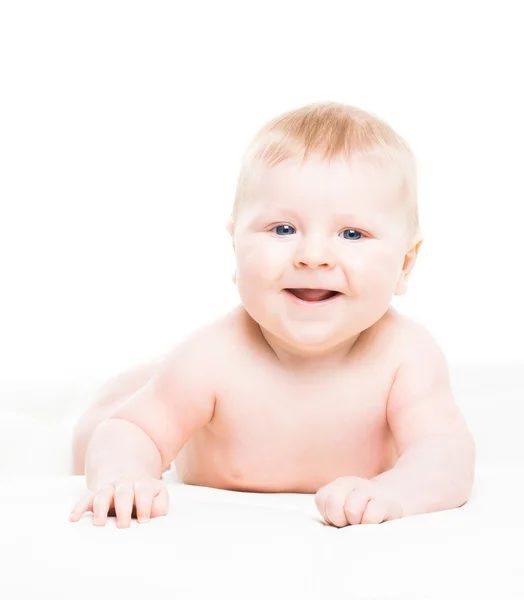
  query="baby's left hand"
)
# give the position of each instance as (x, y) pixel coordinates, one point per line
(355, 501)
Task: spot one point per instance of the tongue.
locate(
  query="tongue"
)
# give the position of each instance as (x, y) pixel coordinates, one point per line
(312, 295)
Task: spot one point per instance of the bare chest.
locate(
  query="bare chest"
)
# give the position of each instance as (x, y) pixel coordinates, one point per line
(275, 433)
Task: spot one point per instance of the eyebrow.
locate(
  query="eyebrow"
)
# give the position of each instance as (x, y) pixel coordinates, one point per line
(289, 211)
(346, 217)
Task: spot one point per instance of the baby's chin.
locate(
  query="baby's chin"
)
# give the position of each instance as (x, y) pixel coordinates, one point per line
(310, 339)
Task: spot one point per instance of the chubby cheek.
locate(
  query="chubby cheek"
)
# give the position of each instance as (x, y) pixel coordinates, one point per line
(374, 277)
(258, 270)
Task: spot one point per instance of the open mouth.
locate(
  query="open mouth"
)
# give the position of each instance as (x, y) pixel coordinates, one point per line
(312, 295)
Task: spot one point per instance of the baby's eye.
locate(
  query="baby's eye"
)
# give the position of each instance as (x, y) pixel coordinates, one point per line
(282, 229)
(351, 234)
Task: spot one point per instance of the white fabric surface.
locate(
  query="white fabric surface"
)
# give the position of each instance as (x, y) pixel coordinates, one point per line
(217, 543)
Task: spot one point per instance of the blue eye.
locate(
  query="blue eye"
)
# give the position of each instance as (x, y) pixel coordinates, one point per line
(351, 234)
(282, 229)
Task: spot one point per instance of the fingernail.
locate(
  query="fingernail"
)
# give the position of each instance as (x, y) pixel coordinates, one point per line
(143, 520)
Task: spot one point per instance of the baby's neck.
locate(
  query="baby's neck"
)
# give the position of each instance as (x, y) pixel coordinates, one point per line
(298, 358)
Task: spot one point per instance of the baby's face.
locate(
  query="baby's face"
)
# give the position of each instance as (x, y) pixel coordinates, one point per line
(335, 227)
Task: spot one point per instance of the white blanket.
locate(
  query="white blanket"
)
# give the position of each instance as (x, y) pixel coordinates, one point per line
(218, 544)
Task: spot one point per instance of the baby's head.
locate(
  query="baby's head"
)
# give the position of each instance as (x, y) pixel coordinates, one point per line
(327, 200)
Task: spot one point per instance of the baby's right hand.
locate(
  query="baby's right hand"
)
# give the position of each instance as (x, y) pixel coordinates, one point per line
(146, 494)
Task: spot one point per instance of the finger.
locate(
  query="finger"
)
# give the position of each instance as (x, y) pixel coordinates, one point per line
(101, 505)
(375, 512)
(160, 505)
(355, 505)
(320, 501)
(321, 497)
(392, 510)
(82, 506)
(124, 499)
(335, 508)
(144, 493)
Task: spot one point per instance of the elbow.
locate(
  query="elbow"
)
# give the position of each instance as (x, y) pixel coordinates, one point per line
(151, 442)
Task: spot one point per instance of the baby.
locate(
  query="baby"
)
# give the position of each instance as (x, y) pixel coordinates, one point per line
(314, 383)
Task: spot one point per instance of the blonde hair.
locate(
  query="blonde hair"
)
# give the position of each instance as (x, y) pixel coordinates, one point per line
(333, 130)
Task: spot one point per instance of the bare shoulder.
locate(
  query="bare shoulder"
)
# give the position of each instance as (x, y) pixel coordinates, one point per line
(180, 397)
(421, 402)
(202, 353)
(411, 355)
(408, 338)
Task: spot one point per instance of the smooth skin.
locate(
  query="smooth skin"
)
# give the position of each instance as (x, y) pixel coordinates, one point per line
(142, 498)
(347, 400)
(356, 501)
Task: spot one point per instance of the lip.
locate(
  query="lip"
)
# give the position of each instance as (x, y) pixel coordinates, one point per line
(327, 302)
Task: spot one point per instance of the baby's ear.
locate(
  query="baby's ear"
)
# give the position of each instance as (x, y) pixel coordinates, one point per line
(409, 262)
(230, 227)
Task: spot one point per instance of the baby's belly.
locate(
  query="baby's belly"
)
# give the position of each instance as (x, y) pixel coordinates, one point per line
(269, 465)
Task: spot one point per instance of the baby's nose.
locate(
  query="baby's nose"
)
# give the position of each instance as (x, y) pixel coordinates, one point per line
(314, 253)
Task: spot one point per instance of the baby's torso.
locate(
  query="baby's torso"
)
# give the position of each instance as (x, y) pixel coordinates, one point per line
(276, 432)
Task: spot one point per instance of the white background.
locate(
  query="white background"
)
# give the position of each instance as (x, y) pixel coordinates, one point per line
(122, 126)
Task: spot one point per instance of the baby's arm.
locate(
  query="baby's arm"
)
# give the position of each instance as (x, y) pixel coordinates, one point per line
(436, 465)
(177, 401)
(142, 436)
